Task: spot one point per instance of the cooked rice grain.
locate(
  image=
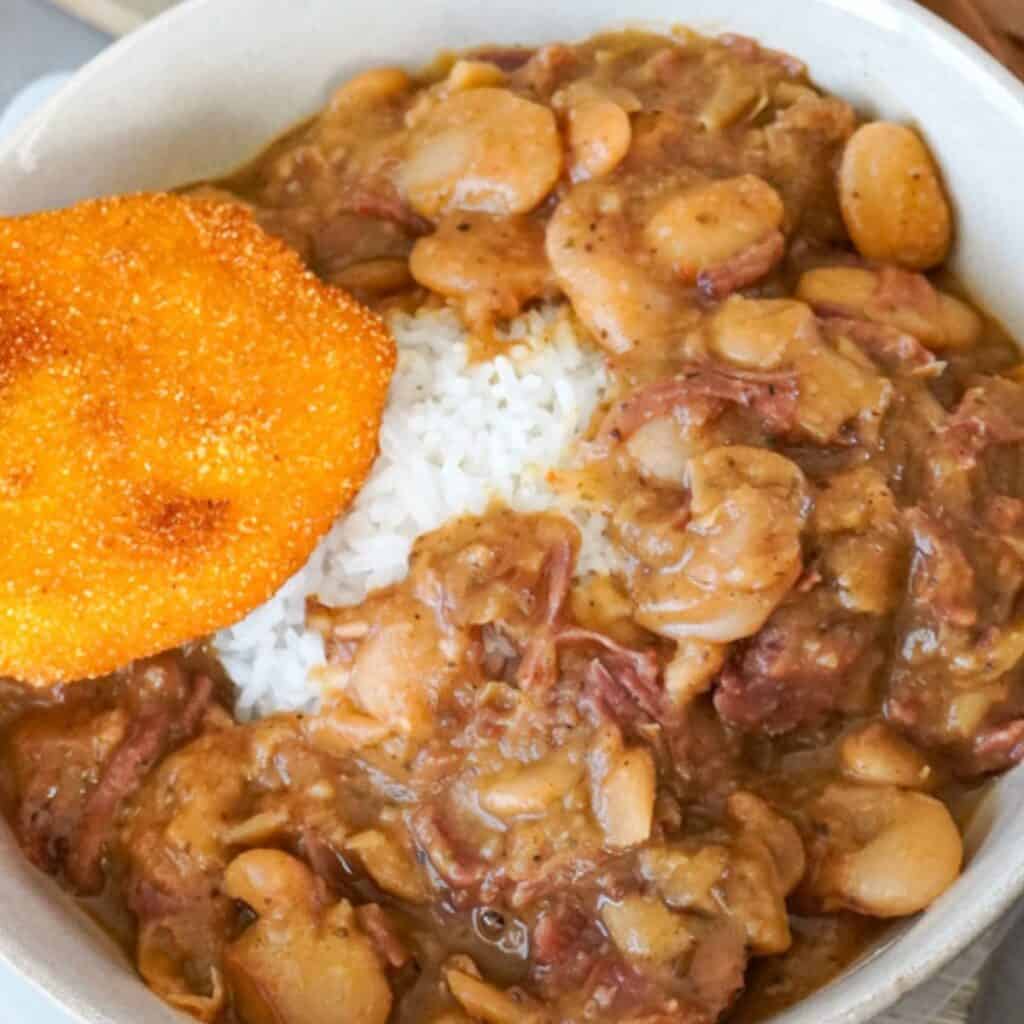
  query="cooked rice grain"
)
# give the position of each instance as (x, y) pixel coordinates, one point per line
(455, 436)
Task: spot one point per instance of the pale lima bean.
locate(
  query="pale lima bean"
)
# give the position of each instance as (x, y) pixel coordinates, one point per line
(705, 226)
(301, 962)
(482, 150)
(742, 548)
(892, 200)
(599, 134)
(887, 852)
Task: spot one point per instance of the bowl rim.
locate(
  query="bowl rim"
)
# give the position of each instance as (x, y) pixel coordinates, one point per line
(938, 29)
(949, 47)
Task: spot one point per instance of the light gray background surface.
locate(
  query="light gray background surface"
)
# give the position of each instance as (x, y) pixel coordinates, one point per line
(36, 39)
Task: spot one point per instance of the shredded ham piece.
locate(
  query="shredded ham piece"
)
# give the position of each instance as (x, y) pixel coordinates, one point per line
(745, 268)
(894, 350)
(772, 395)
(941, 578)
(459, 867)
(149, 737)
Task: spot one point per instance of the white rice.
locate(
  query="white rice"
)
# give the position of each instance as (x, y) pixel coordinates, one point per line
(455, 435)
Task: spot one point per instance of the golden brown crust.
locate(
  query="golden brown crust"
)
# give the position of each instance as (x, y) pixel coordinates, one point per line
(184, 410)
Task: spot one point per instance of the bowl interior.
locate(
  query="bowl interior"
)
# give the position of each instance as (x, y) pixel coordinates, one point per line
(207, 85)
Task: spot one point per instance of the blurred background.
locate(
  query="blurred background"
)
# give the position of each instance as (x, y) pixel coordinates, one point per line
(997, 24)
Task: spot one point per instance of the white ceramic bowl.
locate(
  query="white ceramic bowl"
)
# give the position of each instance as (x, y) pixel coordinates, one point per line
(208, 84)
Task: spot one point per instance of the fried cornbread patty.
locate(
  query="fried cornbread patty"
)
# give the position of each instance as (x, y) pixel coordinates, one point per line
(184, 410)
